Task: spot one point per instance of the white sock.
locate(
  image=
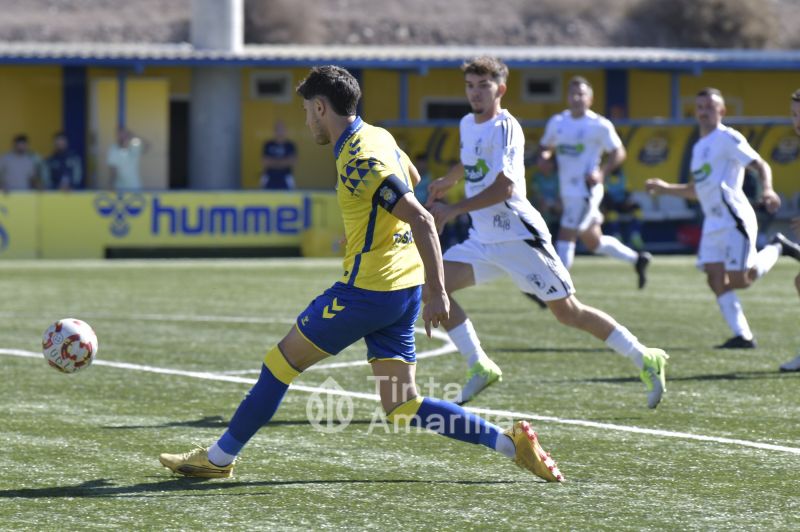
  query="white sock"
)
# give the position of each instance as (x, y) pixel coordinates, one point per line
(218, 457)
(767, 258)
(566, 252)
(505, 446)
(467, 342)
(614, 248)
(626, 344)
(732, 311)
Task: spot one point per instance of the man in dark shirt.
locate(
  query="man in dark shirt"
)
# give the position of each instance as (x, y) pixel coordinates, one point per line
(63, 168)
(278, 157)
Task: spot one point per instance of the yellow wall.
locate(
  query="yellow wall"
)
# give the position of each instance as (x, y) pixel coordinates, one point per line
(147, 115)
(762, 93)
(315, 164)
(30, 103)
(648, 94)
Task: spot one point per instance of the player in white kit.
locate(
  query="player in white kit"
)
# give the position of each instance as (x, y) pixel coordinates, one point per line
(509, 237)
(578, 137)
(727, 248)
(794, 364)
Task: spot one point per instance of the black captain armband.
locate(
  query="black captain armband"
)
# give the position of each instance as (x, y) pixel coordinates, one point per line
(389, 192)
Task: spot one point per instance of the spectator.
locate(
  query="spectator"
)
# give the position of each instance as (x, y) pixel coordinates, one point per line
(62, 170)
(279, 156)
(20, 168)
(123, 160)
(545, 195)
(421, 190)
(621, 211)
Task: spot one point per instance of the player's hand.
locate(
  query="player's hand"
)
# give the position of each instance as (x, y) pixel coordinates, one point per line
(594, 177)
(655, 186)
(771, 201)
(437, 189)
(442, 213)
(435, 310)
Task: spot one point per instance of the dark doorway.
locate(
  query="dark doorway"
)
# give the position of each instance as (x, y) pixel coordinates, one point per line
(178, 144)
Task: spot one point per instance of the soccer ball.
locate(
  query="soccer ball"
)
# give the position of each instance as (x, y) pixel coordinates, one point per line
(69, 345)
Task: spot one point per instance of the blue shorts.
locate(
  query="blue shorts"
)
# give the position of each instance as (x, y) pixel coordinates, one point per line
(344, 314)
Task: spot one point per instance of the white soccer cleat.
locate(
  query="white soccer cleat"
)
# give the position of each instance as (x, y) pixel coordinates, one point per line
(792, 365)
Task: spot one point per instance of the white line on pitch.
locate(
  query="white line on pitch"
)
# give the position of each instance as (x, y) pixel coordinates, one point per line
(374, 397)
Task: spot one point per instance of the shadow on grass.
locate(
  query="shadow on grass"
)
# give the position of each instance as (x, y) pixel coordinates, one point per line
(211, 422)
(598, 349)
(106, 488)
(732, 376)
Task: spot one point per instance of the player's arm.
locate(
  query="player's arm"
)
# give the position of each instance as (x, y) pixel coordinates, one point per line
(656, 186)
(395, 196)
(413, 175)
(613, 160)
(439, 187)
(768, 195)
(497, 192)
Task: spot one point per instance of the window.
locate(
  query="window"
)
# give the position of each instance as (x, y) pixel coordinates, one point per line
(541, 87)
(265, 85)
(444, 109)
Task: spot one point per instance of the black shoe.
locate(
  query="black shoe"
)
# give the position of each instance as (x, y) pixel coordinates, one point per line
(788, 248)
(737, 342)
(538, 301)
(641, 267)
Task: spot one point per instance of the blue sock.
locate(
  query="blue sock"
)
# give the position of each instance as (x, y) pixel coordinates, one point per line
(254, 412)
(449, 419)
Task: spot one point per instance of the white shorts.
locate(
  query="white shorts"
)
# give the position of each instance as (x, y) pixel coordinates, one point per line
(534, 267)
(730, 246)
(581, 213)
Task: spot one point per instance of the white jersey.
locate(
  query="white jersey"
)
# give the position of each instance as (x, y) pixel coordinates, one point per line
(718, 162)
(579, 144)
(487, 149)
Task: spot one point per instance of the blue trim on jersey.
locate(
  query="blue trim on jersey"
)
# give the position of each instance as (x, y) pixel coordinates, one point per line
(373, 215)
(346, 134)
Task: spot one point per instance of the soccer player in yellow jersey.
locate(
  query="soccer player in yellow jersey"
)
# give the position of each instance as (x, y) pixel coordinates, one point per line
(392, 249)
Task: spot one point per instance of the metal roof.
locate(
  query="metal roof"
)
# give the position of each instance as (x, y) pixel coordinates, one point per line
(395, 57)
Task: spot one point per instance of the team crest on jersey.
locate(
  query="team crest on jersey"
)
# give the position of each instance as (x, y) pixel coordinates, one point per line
(571, 150)
(476, 172)
(536, 280)
(702, 173)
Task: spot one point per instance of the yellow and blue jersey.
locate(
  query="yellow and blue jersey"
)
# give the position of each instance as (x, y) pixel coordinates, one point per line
(372, 175)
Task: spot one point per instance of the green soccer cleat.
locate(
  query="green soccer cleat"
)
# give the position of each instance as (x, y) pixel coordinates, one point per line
(654, 375)
(480, 376)
(530, 455)
(195, 464)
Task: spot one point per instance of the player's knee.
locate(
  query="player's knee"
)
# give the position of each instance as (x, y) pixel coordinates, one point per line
(567, 311)
(277, 364)
(797, 283)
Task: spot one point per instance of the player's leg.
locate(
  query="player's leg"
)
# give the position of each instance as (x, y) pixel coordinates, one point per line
(729, 306)
(601, 244)
(329, 324)
(463, 263)
(281, 365)
(399, 398)
(565, 242)
(651, 362)
(794, 364)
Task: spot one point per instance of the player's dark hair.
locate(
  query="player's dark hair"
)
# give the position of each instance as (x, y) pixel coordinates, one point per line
(796, 96)
(484, 65)
(334, 83)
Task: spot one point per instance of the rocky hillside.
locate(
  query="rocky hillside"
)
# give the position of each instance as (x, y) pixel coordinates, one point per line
(726, 23)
